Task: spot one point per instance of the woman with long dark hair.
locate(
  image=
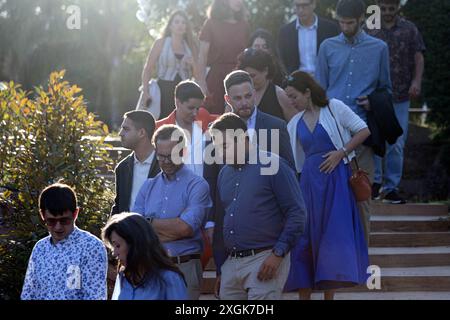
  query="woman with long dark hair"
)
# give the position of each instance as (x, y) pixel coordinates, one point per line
(145, 270)
(333, 251)
(262, 39)
(223, 36)
(269, 97)
(173, 58)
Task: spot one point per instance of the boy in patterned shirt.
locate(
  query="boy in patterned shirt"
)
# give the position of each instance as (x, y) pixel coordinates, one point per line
(69, 264)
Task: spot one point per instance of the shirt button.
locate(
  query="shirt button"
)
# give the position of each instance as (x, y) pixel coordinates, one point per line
(166, 198)
(234, 199)
(349, 85)
(351, 61)
(231, 215)
(348, 97)
(232, 232)
(351, 73)
(237, 184)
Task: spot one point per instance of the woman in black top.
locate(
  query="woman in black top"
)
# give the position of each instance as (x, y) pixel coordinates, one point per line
(270, 98)
(261, 39)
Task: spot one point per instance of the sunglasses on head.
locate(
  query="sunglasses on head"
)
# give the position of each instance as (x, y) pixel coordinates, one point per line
(51, 222)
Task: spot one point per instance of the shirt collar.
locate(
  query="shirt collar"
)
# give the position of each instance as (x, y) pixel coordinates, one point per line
(360, 37)
(71, 237)
(315, 25)
(146, 161)
(178, 175)
(252, 118)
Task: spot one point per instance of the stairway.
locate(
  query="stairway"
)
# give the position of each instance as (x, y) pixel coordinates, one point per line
(411, 245)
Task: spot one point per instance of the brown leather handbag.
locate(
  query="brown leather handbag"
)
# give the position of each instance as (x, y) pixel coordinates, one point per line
(359, 181)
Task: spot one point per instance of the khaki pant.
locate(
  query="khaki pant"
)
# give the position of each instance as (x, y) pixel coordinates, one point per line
(239, 278)
(364, 156)
(193, 274)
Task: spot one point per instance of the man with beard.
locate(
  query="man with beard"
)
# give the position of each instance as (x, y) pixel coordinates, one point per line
(136, 134)
(406, 49)
(350, 67)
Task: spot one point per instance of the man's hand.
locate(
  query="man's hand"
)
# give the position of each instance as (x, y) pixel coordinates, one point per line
(332, 160)
(217, 287)
(415, 89)
(363, 101)
(269, 267)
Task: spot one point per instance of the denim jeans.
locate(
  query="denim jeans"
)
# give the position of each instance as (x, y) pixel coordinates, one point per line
(389, 170)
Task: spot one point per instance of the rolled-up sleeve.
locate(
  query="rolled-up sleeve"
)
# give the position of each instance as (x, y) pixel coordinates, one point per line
(348, 118)
(139, 204)
(199, 202)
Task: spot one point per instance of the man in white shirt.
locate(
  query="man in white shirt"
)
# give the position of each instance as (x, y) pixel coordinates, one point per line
(135, 133)
(300, 39)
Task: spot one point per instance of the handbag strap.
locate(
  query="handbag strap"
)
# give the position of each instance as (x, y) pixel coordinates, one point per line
(340, 135)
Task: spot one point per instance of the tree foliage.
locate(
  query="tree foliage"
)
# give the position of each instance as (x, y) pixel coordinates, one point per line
(44, 138)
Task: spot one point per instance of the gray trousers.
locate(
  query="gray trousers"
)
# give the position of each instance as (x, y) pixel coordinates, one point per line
(364, 156)
(193, 274)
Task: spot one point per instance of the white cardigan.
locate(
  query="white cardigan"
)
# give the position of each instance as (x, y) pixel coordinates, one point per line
(349, 124)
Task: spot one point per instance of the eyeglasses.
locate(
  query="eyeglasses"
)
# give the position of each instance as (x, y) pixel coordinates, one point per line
(51, 222)
(388, 8)
(162, 158)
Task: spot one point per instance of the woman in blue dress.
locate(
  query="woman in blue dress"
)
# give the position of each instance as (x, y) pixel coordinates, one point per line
(145, 270)
(333, 252)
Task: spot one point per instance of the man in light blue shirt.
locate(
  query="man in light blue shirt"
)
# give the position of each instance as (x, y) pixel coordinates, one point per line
(350, 67)
(175, 203)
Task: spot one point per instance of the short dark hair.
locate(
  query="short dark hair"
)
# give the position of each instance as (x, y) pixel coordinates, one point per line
(142, 120)
(186, 90)
(57, 199)
(166, 131)
(228, 121)
(353, 9)
(267, 36)
(302, 81)
(396, 2)
(256, 59)
(235, 78)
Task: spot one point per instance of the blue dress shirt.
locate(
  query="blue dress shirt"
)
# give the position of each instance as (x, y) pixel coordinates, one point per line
(349, 70)
(169, 286)
(261, 210)
(186, 197)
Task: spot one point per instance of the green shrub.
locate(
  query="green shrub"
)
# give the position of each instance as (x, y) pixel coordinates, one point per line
(44, 139)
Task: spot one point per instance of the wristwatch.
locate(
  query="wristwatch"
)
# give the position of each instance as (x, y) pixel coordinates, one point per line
(345, 151)
(277, 252)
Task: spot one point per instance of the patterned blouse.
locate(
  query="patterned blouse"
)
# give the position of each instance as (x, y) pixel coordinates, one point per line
(73, 269)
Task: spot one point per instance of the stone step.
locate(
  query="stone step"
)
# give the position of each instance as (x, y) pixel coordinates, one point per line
(415, 295)
(409, 239)
(409, 224)
(392, 280)
(410, 257)
(409, 209)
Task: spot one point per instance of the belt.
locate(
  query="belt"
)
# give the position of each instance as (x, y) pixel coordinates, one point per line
(184, 259)
(247, 253)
